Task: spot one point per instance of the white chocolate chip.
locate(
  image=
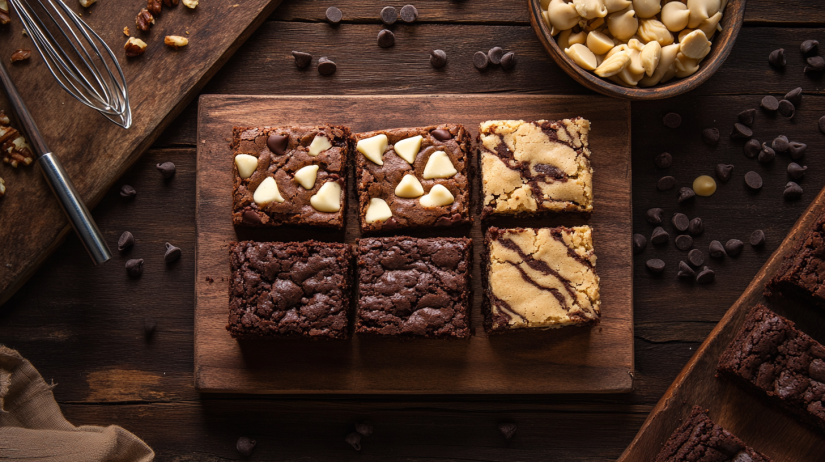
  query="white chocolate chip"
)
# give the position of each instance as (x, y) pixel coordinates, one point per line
(439, 166)
(579, 37)
(319, 144)
(653, 29)
(599, 43)
(695, 45)
(408, 148)
(589, 9)
(562, 15)
(710, 25)
(613, 65)
(582, 56)
(563, 39)
(675, 16)
(650, 56)
(373, 148)
(701, 10)
(438, 196)
(666, 62)
(622, 24)
(246, 165)
(328, 198)
(378, 210)
(267, 192)
(306, 176)
(647, 8)
(685, 66)
(616, 5)
(409, 187)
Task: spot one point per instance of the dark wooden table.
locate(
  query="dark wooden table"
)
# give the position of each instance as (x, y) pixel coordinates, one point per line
(83, 327)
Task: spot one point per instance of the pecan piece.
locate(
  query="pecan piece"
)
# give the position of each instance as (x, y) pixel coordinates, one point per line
(21, 55)
(144, 20)
(4, 119)
(126, 31)
(2, 187)
(87, 3)
(134, 47)
(15, 148)
(4, 18)
(190, 3)
(153, 6)
(171, 3)
(176, 41)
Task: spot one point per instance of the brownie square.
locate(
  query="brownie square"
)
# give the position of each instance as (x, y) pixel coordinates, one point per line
(779, 363)
(414, 287)
(539, 278)
(528, 168)
(290, 175)
(289, 289)
(436, 189)
(803, 271)
(701, 439)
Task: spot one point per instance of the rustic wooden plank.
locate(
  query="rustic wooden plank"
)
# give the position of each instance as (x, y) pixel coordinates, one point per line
(94, 152)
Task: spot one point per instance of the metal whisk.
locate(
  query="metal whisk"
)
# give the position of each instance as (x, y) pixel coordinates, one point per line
(77, 57)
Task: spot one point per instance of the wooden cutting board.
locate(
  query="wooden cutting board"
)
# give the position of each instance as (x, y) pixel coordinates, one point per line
(94, 151)
(765, 428)
(571, 360)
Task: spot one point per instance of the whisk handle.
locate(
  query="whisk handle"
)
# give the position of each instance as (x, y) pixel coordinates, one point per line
(75, 209)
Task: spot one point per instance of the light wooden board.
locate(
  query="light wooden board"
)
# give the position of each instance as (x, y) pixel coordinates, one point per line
(572, 360)
(764, 427)
(94, 151)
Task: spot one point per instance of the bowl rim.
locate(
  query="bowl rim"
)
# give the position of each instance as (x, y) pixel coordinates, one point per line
(733, 19)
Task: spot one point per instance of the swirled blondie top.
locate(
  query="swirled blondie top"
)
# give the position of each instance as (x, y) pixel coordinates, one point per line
(529, 168)
(539, 278)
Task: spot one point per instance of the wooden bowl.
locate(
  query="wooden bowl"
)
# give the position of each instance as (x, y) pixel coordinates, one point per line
(732, 19)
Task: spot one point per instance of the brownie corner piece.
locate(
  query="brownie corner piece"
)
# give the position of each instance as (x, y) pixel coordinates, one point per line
(289, 289)
(292, 175)
(803, 271)
(535, 167)
(414, 287)
(413, 177)
(539, 278)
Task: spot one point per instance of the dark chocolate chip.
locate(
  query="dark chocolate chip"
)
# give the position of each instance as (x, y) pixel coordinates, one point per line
(277, 144)
(302, 59)
(777, 58)
(815, 64)
(245, 446)
(409, 13)
(508, 429)
(334, 15)
(696, 257)
(705, 276)
(786, 108)
(438, 58)
(134, 267)
(680, 221)
(663, 160)
(710, 136)
(655, 216)
(821, 124)
(767, 154)
(809, 47)
(685, 194)
(508, 61)
(639, 243)
(172, 253)
(683, 242)
(752, 148)
(665, 183)
(326, 66)
(364, 428)
(166, 169)
(659, 236)
(127, 191)
(747, 117)
(758, 238)
(389, 15)
(441, 134)
(796, 171)
(792, 191)
(125, 241)
(251, 217)
(672, 120)
(780, 143)
(741, 132)
(354, 439)
(724, 172)
(797, 149)
(753, 180)
(685, 271)
(480, 60)
(733, 247)
(495, 55)
(716, 250)
(696, 227)
(655, 265)
(149, 326)
(386, 38)
(794, 96)
(770, 103)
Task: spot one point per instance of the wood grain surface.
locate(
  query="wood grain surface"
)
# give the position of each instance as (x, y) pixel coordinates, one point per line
(93, 151)
(571, 360)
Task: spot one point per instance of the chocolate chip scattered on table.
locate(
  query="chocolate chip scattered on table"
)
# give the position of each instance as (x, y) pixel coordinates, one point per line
(659, 236)
(326, 66)
(655, 216)
(438, 58)
(696, 257)
(302, 59)
(663, 160)
(655, 265)
(334, 15)
(672, 120)
(639, 243)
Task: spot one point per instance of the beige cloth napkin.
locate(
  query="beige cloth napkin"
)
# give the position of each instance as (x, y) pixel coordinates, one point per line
(33, 428)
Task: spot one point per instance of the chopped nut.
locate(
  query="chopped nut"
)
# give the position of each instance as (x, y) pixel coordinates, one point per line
(153, 6)
(87, 3)
(15, 148)
(21, 55)
(176, 41)
(4, 6)
(190, 3)
(4, 119)
(134, 47)
(4, 18)
(171, 3)
(2, 187)
(144, 20)
(126, 31)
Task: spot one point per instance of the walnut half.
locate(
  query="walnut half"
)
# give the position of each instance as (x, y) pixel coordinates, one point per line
(144, 20)
(171, 3)
(134, 47)
(153, 6)
(176, 41)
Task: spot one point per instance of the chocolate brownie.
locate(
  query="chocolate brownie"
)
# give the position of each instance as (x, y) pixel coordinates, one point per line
(539, 278)
(290, 175)
(528, 168)
(288, 289)
(700, 439)
(779, 363)
(414, 287)
(803, 271)
(413, 177)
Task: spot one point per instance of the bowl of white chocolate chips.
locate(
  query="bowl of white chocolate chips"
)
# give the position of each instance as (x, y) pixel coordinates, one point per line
(638, 49)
